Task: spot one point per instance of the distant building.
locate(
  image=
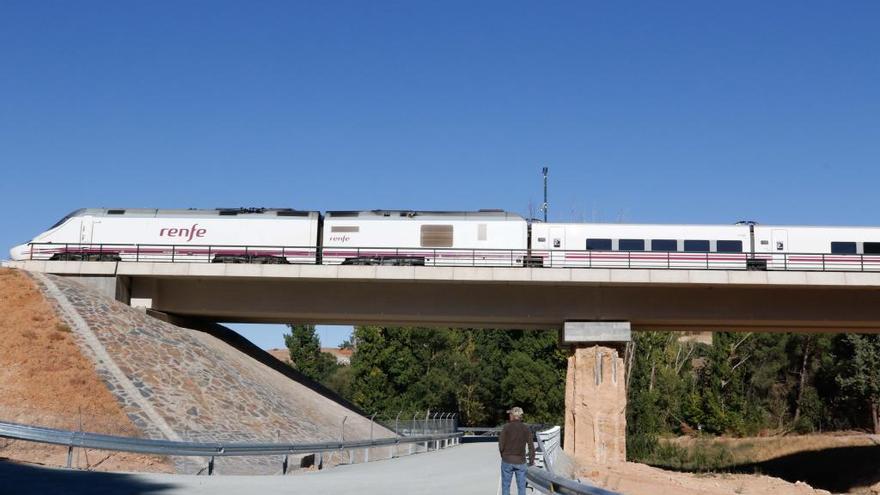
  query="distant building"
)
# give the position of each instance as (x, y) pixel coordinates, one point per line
(343, 356)
(698, 337)
(282, 355)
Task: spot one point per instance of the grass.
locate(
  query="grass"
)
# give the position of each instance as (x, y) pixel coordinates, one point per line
(703, 456)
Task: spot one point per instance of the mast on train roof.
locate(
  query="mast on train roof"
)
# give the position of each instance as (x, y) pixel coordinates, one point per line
(545, 205)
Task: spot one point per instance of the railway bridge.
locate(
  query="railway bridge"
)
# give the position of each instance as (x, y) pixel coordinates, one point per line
(595, 309)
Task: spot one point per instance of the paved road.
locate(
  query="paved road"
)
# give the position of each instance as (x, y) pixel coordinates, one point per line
(462, 470)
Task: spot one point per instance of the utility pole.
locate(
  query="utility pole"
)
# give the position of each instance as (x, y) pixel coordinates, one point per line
(545, 205)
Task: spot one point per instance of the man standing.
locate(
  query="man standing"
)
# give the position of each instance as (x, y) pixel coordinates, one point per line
(515, 436)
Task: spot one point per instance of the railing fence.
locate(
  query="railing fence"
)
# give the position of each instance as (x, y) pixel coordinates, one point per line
(558, 258)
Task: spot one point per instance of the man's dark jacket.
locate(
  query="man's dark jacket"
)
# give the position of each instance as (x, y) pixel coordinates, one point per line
(512, 442)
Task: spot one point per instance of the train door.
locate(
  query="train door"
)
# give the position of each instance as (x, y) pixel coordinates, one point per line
(780, 241)
(85, 230)
(779, 247)
(557, 244)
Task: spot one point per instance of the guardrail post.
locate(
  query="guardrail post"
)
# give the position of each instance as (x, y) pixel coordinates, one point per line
(69, 456)
(434, 430)
(284, 464)
(342, 441)
(425, 428)
(367, 455)
(211, 466)
(412, 427)
(396, 451)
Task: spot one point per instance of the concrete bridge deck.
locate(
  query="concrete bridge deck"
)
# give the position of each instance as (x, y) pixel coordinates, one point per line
(483, 297)
(466, 469)
(507, 275)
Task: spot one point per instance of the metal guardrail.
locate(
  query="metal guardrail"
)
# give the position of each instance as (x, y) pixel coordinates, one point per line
(79, 439)
(546, 477)
(485, 430)
(549, 445)
(674, 260)
(548, 482)
(541, 478)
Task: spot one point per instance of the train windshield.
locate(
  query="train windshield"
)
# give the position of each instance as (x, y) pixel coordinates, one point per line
(67, 217)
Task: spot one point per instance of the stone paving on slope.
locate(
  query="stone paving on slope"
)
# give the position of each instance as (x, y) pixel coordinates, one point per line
(201, 388)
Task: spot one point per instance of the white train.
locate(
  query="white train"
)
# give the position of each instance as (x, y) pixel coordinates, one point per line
(477, 238)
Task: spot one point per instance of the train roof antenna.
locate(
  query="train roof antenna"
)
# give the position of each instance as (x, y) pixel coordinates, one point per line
(545, 205)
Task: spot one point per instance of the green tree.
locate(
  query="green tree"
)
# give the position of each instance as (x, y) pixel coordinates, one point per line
(661, 394)
(305, 352)
(857, 374)
(477, 373)
(340, 381)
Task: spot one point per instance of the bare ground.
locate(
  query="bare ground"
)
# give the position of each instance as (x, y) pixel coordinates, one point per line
(841, 462)
(639, 479)
(46, 381)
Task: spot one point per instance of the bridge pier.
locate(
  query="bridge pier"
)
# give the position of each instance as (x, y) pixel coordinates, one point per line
(118, 288)
(595, 392)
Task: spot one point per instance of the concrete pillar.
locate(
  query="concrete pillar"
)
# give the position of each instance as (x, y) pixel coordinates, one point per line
(595, 392)
(143, 293)
(108, 285)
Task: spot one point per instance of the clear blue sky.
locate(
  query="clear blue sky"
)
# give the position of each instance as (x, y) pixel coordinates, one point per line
(706, 112)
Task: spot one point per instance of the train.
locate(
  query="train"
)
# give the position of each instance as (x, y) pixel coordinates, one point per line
(436, 238)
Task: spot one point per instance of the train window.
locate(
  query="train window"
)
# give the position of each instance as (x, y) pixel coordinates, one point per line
(729, 246)
(598, 244)
(696, 246)
(664, 245)
(481, 232)
(631, 245)
(116, 212)
(843, 248)
(872, 248)
(436, 236)
(345, 228)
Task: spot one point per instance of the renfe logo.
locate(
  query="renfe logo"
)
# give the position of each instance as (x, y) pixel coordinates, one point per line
(187, 232)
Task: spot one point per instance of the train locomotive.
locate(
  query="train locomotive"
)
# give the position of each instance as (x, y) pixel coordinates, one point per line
(438, 238)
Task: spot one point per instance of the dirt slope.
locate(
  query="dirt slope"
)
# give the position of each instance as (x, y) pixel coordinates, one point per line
(171, 382)
(46, 380)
